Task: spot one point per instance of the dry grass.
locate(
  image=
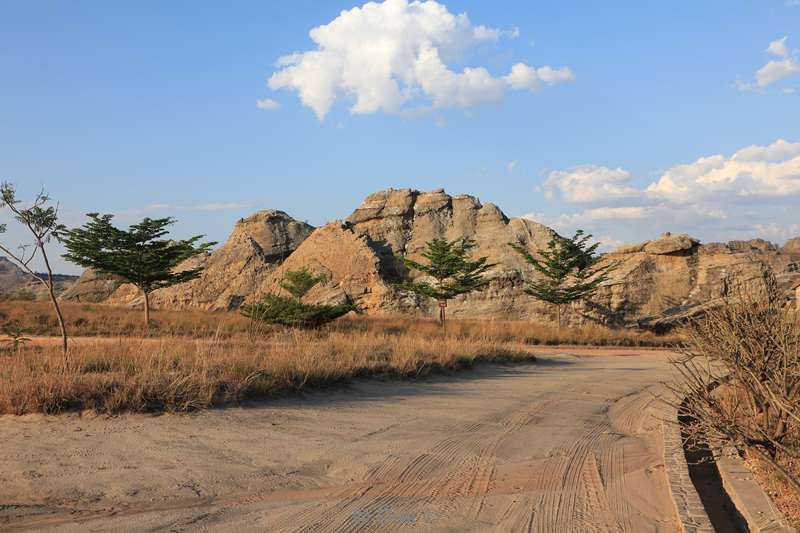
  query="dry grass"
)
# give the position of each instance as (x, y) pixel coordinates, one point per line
(194, 359)
(37, 318)
(179, 374)
(516, 331)
(95, 320)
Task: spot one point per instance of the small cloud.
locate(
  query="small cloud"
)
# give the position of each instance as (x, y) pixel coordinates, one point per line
(778, 47)
(775, 70)
(268, 104)
(511, 166)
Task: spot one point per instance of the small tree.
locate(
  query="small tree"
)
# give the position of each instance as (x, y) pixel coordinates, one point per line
(568, 268)
(450, 269)
(140, 255)
(290, 310)
(41, 220)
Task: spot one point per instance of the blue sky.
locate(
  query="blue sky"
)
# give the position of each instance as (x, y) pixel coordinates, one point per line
(149, 108)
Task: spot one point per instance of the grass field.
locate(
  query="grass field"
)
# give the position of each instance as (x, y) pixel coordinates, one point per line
(194, 360)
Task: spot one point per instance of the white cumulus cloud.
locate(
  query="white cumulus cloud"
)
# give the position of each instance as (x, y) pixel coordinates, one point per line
(748, 193)
(591, 183)
(389, 55)
(754, 171)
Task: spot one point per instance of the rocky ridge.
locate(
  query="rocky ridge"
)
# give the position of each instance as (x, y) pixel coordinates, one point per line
(671, 276)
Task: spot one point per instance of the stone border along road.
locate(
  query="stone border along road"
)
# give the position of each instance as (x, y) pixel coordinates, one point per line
(691, 512)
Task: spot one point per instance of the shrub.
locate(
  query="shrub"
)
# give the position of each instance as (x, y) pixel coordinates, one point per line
(741, 367)
(284, 311)
(291, 311)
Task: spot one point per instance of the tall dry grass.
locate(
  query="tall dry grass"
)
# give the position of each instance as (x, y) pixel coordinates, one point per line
(179, 374)
(37, 318)
(194, 359)
(97, 320)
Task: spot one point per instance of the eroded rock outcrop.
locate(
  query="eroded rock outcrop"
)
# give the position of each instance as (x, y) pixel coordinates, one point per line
(232, 273)
(664, 281)
(657, 280)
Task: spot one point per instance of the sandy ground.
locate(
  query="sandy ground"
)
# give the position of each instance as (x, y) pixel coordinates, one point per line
(571, 443)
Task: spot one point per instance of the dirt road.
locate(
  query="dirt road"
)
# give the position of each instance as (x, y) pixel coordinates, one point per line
(571, 443)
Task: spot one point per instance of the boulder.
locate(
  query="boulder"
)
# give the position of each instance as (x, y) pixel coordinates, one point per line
(670, 244)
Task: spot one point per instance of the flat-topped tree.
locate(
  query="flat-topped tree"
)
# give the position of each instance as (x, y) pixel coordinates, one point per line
(140, 255)
(40, 219)
(569, 270)
(450, 270)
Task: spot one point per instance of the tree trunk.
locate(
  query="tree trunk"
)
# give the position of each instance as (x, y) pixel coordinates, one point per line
(146, 308)
(52, 291)
(558, 319)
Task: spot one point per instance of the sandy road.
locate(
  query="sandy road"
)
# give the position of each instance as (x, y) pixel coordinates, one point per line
(569, 444)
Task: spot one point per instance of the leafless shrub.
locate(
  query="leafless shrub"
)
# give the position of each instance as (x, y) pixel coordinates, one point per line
(740, 366)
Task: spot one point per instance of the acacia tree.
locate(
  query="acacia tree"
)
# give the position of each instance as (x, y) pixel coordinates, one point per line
(569, 270)
(40, 218)
(140, 255)
(450, 269)
(291, 311)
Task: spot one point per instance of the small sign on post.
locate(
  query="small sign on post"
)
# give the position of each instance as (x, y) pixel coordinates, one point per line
(442, 303)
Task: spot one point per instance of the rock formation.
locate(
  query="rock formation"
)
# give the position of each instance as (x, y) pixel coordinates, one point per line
(659, 282)
(231, 274)
(654, 282)
(359, 254)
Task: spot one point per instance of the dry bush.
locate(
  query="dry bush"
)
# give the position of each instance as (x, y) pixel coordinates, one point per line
(179, 374)
(741, 369)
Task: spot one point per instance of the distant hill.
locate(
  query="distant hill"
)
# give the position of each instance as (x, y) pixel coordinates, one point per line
(15, 283)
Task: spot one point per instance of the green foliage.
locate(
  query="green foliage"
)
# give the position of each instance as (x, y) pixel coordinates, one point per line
(568, 268)
(450, 269)
(139, 255)
(290, 310)
(299, 282)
